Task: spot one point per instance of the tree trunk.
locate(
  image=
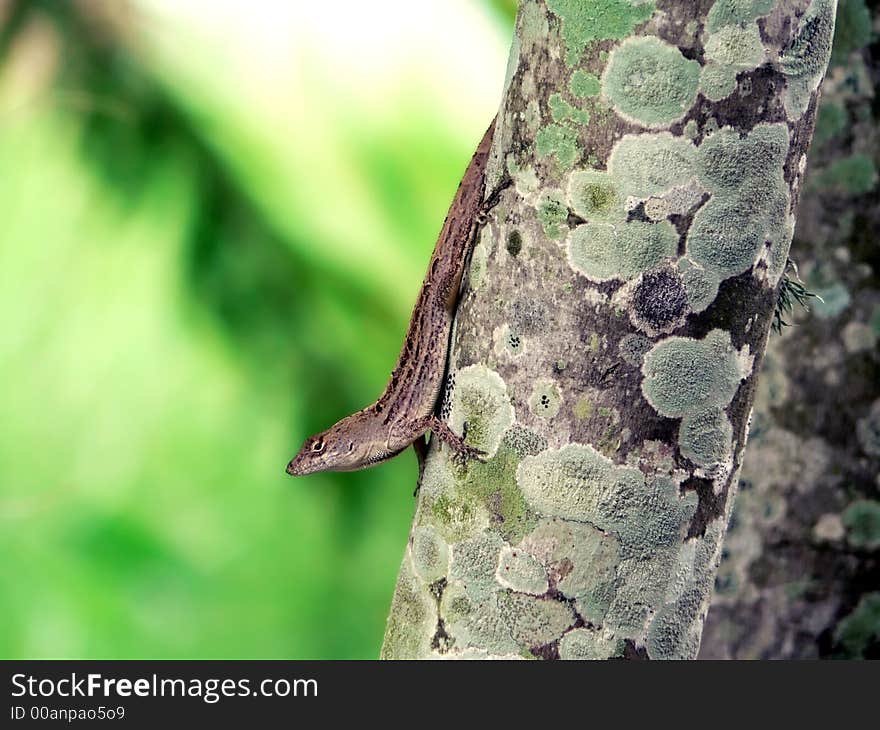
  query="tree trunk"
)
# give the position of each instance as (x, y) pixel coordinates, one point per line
(802, 559)
(617, 309)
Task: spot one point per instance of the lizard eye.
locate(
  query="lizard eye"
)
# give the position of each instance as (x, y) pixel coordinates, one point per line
(350, 446)
(318, 446)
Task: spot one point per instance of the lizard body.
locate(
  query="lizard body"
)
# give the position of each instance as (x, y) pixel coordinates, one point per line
(406, 409)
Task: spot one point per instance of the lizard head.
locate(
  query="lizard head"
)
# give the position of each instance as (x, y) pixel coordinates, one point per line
(346, 446)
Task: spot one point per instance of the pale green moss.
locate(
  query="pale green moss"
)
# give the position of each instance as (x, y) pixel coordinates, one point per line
(583, 23)
(521, 572)
(545, 399)
(589, 644)
(650, 164)
(559, 141)
(430, 554)
(584, 85)
(706, 438)
(493, 484)
(650, 82)
(604, 252)
(480, 400)
(594, 195)
(685, 376)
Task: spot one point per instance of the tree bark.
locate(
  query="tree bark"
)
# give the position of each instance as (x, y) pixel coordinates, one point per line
(802, 559)
(606, 346)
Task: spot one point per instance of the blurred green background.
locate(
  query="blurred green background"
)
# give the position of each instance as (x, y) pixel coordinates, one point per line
(215, 218)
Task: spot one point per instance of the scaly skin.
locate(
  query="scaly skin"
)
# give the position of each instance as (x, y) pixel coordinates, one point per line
(406, 409)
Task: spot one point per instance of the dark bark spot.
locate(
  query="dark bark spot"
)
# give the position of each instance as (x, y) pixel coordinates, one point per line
(709, 508)
(660, 299)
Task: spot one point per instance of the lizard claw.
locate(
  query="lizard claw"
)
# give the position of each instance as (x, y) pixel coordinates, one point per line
(464, 453)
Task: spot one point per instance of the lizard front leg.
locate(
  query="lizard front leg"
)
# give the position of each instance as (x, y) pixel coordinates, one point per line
(463, 451)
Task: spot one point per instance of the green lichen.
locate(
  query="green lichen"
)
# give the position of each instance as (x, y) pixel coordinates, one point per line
(749, 208)
(559, 141)
(563, 112)
(701, 285)
(589, 644)
(583, 85)
(553, 214)
(479, 259)
(480, 408)
(650, 164)
(686, 376)
(545, 399)
(533, 621)
(474, 560)
(583, 408)
(412, 618)
(603, 252)
(805, 59)
(706, 438)
(594, 195)
(650, 82)
(578, 483)
(583, 561)
(717, 82)
(727, 159)
(583, 23)
(430, 554)
(862, 522)
(731, 50)
(735, 12)
(521, 572)
(473, 620)
(632, 349)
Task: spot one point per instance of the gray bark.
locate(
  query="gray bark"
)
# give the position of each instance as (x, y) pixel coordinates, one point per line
(617, 309)
(801, 573)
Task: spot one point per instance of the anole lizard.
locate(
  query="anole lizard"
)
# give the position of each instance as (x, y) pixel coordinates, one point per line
(405, 411)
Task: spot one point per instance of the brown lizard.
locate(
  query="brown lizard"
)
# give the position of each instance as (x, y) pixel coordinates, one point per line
(405, 411)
